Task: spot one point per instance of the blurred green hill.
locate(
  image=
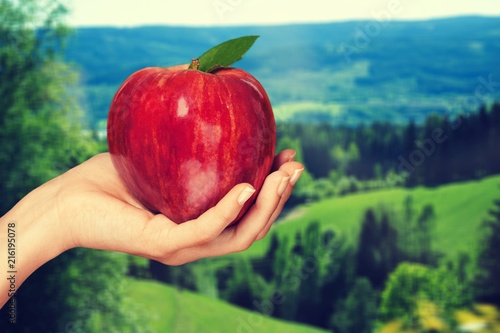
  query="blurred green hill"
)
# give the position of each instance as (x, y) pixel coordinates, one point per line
(347, 72)
(171, 310)
(459, 210)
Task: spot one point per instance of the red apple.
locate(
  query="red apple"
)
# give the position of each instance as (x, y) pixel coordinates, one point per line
(182, 138)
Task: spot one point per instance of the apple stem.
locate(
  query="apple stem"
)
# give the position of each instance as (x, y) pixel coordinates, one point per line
(195, 64)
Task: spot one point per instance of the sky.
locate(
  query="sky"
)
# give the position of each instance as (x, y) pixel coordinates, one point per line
(128, 13)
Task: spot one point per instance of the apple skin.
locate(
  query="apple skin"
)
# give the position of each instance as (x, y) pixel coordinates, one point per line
(180, 138)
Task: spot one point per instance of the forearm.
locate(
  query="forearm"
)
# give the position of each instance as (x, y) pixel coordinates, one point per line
(28, 238)
(89, 206)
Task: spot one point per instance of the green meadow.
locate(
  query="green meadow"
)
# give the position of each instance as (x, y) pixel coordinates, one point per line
(170, 310)
(460, 209)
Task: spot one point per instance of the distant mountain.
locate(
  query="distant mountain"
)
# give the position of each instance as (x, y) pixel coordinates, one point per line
(347, 72)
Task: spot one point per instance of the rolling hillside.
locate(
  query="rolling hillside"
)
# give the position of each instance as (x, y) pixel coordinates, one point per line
(175, 311)
(335, 72)
(460, 208)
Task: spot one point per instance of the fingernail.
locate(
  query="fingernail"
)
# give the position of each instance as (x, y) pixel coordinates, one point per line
(245, 195)
(292, 156)
(283, 185)
(295, 176)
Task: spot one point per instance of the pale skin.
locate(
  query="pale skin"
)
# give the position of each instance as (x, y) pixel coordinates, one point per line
(89, 206)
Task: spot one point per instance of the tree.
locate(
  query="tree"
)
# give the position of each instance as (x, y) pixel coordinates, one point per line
(366, 256)
(272, 257)
(309, 291)
(337, 281)
(388, 238)
(377, 253)
(424, 226)
(430, 162)
(299, 272)
(412, 290)
(409, 138)
(41, 135)
(244, 288)
(344, 157)
(488, 261)
(492, 152)
(80, 291)
(358, 311)
(415, 234)
(181, 276)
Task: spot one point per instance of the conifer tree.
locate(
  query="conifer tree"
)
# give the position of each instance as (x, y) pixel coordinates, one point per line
(41, 136)
(488, 262)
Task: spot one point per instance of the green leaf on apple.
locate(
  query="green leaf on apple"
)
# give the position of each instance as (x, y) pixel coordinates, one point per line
(224, 54)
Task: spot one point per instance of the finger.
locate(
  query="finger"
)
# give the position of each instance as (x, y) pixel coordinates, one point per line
(239, 237)
(223, 240)
(291, 169)
(294, 170)
(243, 234)
(284, 156)
(210, 224)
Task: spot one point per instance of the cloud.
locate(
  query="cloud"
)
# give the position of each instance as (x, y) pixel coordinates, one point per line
(238, 12)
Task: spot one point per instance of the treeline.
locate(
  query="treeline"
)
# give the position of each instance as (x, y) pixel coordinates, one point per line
(442, 150)
(390, 276)
(392, 270)
(40, 136)
(320, 278)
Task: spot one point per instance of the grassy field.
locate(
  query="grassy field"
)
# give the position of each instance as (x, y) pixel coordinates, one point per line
(460, 209)
(175, 311)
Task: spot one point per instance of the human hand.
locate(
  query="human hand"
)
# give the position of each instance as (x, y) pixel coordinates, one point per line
(101, 214)
(89, 206)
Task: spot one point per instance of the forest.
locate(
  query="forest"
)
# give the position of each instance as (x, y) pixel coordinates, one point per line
(346, 159)
(316, 73)
(323, 278)
(394, 226)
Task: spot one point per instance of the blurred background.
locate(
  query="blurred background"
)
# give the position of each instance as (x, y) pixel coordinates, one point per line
(393, 106)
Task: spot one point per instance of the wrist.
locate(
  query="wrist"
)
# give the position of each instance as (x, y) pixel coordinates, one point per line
(32, 226)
